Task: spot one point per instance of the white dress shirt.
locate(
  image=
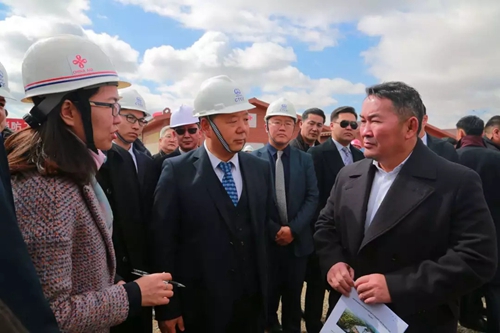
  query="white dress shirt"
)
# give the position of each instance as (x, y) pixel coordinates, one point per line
(382, 182)
(131, 152)
(340, 147)
(424, 139)
(235, 169)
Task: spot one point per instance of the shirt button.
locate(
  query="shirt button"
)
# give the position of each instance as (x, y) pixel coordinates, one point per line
(242, 244)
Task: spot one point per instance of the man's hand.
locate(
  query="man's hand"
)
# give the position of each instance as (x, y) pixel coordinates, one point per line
(168, 326)
(284, 236)
(372, 289)
(341, 278)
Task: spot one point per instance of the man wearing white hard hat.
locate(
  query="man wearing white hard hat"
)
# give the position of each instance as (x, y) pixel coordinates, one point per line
(4, 96)
(296, 192)
(212, 208)
(129, 177)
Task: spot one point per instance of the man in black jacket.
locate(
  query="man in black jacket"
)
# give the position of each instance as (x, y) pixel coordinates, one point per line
(311, 124)
(492, 133)
(473, 153)
(440, 147)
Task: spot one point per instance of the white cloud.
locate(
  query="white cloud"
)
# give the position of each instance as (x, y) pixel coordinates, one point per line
(71, 10)
(449, 55)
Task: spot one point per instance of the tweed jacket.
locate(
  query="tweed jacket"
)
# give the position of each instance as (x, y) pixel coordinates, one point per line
(71, 248)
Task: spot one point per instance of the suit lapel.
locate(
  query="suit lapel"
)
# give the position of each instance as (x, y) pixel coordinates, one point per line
(249, 175)
(294, 174)
(141, 167)
(207, 176)
(332, 155)
(356, 194)
(97, 214)
(406, 193)
(356, 154)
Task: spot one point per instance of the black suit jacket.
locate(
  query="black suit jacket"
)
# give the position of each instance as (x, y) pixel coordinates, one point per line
(327, 164)
(130, 194)
(20, 287)
(486, 162)
(432, 237)
(193, 236)
(442, 148)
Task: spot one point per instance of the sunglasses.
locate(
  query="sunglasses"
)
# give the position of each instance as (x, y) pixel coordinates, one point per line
(182, 131)
(345, 123)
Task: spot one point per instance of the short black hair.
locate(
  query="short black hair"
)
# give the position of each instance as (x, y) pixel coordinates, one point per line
(406, 100)
(493, 122)
(315, 111)
(343, 109)
(471, 125)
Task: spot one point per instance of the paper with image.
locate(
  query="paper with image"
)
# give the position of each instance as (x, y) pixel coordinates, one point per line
(351, 315)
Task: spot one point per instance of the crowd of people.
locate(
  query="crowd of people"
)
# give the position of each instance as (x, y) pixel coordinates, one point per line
(94, 228)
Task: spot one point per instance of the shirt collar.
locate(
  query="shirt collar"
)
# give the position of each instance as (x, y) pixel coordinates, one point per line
(214, 160)
(424, 139)
(395, 170)
(273, 150)
(131, 149)
(340, 147)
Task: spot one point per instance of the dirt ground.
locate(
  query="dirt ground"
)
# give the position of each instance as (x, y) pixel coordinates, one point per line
(325, 309)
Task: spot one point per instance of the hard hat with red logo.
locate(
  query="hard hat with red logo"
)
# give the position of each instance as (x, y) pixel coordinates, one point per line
(281, 107)
(220, 95)
(4, 84)
(132, 100)
(183, 116)
(65, 67)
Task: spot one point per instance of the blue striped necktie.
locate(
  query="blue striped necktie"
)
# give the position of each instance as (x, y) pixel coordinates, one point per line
(228, 181)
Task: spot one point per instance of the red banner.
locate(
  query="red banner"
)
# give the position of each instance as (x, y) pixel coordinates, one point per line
(16, 124)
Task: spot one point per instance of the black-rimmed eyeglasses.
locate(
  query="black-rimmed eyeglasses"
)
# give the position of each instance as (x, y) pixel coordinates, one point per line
(115, 107)
(133, 119)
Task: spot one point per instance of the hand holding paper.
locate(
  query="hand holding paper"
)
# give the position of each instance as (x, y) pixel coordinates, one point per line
(341, 278)
(372, 289)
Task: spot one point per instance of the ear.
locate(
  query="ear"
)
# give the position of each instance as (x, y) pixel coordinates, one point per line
(300, 123)
(496, 132)
(69, 114)
(412, 127)
(205, 127)
(460, 133)
(266, 128)
(331, 125)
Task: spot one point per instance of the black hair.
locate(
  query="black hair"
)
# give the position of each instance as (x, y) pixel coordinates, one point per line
(343, 109)
(471, 125)
(315, 111)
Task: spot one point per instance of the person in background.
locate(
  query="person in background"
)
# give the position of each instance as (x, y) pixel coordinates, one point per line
(473, 153)
(329, 158)
(187, 133)
(451, 141)
(63, 214)
(311, 125)
(211, 212)
(291, 240)
(440, 147)
(167, 143)
(5, 95)
(20, 291)
(6, 132)
(129, 177)
(405, 227)
(492, 133)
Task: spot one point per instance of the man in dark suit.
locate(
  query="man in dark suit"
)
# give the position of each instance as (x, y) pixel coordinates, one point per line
(297, 197)
(20, 288)
(329, 158)
(473, 153)
(405, 227)
(167, 143)
(128, 178)
(187, 130)
(311, 125)
(440, 147)
(211, 212)
(492, 133)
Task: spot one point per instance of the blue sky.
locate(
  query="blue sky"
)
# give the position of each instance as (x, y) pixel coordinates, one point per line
(269, 47)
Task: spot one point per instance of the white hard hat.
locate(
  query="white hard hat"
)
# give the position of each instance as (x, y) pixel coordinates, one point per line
(4, 84)
(281, 107)
(66, 63)
(131, 100)
(220, 95)
(248, 148)
(183, 116)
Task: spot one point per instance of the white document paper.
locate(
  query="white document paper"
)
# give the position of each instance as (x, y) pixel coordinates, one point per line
(351, 315)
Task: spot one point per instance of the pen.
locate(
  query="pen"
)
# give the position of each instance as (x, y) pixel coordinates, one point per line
(142, 273)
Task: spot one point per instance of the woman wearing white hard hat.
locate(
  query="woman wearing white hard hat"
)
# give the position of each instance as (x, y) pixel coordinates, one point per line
(62, 211)
(212, 208)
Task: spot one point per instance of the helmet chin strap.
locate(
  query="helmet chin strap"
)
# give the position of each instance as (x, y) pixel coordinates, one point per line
(221, 138)
(122, 139)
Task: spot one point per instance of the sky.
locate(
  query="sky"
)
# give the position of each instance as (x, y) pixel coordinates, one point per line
(316, 53)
